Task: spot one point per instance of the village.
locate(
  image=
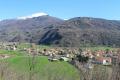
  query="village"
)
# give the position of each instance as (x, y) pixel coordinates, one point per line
(101, 57)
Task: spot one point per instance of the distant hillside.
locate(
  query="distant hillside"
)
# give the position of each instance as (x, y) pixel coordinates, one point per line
(79, 31)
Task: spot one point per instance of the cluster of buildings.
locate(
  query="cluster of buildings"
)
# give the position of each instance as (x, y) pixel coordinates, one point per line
(54, 54)
(104, 57)
(8, 45)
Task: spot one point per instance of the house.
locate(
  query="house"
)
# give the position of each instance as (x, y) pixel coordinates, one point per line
(64, 58)
(104, 60)
(4, 56)
(107, 61)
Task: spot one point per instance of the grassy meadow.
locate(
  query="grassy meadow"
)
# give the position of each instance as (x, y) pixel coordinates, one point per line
(23, 67)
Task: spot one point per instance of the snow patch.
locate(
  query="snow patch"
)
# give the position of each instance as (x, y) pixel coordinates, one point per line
(66, 19)
(33, 15)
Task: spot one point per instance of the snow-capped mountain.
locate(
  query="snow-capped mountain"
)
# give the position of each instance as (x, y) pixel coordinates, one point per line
(33, 15)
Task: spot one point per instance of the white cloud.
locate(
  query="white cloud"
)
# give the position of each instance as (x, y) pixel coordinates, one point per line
(33, 15)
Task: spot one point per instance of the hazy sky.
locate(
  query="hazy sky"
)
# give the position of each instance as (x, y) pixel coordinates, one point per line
(65, 9)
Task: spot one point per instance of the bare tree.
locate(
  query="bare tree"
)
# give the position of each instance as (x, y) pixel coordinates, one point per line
(32, 61)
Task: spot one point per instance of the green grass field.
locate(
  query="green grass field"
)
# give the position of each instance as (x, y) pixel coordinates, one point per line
(18, 68)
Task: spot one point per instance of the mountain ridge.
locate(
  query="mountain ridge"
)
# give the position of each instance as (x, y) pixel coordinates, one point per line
(48, 30)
